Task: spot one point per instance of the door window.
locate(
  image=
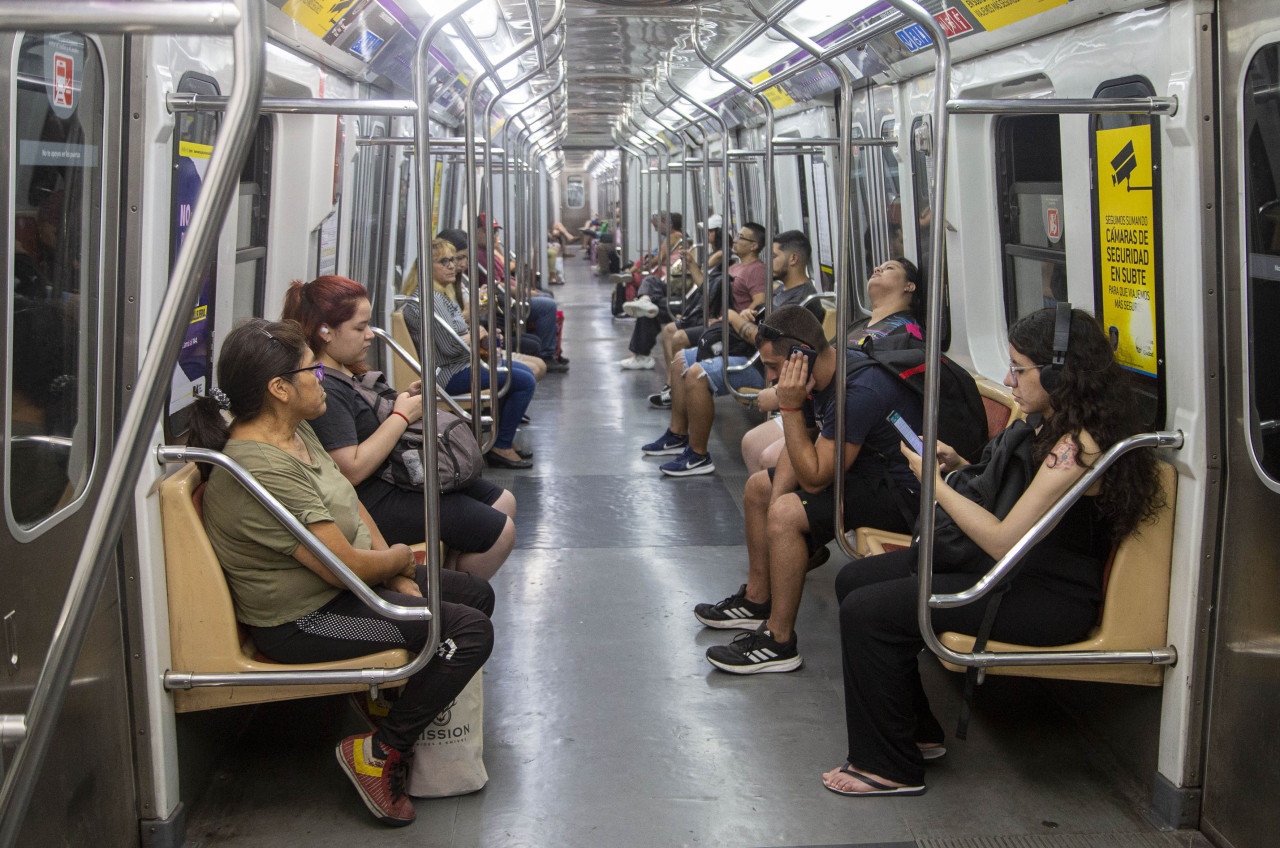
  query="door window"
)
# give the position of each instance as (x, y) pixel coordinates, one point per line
(56, 196)
(1262, 247)
(1032, 229)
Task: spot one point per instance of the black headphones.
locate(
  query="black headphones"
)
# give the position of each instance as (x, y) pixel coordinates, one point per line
(1051, 374)
(773, 334)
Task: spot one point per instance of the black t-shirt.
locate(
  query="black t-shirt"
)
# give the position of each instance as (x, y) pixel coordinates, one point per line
(348, 420)
(873, 393)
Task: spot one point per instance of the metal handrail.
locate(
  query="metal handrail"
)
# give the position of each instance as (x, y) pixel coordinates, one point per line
(537, 32)
(513, 281)
(771, 202)
(424, 186)
(171, 454)
(181, 102)
(368, 676)
(1167, 106)
(152, 384)
(396, 348)
(843, 245)
(989, 581)
(198, 17)
(524, 275)
(725, 284)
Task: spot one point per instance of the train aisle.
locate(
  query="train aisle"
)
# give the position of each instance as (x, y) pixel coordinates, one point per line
(605, 727)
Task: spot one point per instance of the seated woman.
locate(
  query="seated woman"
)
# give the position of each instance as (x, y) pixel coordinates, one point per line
(1052, 600)
(475, 524)
(897, 292)
(453, 360)
(296, 609)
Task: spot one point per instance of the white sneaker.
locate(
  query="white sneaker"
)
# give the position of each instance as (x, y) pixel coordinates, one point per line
(641, 307)
(637, 363)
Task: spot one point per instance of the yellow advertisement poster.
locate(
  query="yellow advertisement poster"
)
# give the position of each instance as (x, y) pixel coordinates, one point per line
(435, 197)
(319, 16)
(993, 14)
(1127, 244)
(775, 95)
(192, 150)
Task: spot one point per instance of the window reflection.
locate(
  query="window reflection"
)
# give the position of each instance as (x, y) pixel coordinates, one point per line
(56, 196)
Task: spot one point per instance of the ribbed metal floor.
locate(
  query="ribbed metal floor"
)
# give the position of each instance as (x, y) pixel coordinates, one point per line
(605, 726)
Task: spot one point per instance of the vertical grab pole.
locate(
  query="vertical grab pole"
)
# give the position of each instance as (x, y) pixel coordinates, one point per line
(842, 254)
(724, 257)
(933, 340)
(132, 448)
(425, 188)
(770, 202)
(528, 222)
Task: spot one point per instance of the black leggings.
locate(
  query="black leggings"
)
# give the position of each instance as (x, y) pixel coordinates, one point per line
(469, 522)
(886, 710)
(345, 628)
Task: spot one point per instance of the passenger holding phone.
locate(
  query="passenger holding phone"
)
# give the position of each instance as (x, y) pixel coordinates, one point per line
(790, 509)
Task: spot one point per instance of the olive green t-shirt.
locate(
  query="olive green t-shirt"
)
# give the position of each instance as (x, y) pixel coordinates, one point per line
(268, 585)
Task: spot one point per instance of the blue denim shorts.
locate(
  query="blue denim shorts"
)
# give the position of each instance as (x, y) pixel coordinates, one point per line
(748, 378)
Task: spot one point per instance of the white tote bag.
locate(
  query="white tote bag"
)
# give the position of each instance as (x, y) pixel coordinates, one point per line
(448, 758)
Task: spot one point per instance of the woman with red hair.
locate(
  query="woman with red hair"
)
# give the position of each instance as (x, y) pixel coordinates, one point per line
(475, 524)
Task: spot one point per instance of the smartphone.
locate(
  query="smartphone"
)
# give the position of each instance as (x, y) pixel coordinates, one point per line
(809, 354)
(908, 435)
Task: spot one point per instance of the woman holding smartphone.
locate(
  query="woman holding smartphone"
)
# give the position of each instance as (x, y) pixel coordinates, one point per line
(1085, 407)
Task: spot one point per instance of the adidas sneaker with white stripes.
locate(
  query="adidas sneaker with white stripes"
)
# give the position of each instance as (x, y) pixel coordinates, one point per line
(756, 653)
(734, 612)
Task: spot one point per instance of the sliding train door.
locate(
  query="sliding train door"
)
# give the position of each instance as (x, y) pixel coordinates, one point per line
(1242, 771)
(60, 110)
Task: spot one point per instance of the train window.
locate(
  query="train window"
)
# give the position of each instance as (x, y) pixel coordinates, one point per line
(923, 177)
(1029, 188)
(1262, 239)
(56, 196)
(575, 192)
(820, 227)
(1127, 264)
(252, 208)
(861, 210)
(892, 188)
(194, 135)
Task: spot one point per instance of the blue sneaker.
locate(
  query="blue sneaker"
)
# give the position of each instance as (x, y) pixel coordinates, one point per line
(668, 444)
(689, 464)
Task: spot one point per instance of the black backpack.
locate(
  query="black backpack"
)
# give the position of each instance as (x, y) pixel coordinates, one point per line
(962, 418)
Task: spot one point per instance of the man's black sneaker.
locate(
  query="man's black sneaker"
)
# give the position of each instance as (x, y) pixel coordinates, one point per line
(734, 612)
(662, 399)
(756, 653)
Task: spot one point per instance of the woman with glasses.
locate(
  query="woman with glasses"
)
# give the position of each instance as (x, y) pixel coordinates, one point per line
(453, 359)
(271, 383)
(1083, 408)
(475, 523)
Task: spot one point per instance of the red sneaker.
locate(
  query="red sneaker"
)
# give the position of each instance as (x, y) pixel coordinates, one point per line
(380, 782)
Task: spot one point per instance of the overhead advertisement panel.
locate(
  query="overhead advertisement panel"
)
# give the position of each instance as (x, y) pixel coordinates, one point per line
(993, 14)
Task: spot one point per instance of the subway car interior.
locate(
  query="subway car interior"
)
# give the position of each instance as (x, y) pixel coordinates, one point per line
(636, 591)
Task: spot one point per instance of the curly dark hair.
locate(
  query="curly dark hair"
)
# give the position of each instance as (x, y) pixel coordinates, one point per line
(1093, 395)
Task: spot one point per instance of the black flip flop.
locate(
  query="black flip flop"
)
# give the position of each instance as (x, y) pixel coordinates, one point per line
(877, 788)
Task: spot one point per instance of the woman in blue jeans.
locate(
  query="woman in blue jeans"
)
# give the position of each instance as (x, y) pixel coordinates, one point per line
(453, 359)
